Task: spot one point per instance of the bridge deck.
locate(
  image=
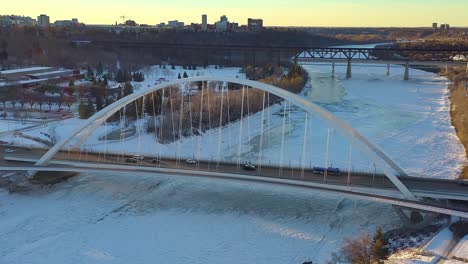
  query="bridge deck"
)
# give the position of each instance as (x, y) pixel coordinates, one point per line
(364, 185)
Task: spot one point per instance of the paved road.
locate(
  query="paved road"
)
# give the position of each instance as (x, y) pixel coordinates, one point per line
(426, 187)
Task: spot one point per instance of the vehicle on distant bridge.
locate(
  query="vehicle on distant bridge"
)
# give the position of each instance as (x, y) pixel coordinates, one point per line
(329, 170)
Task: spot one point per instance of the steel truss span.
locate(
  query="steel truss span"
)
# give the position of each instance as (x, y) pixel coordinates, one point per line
(389, 167)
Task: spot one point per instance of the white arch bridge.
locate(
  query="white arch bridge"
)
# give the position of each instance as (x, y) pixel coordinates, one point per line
(390, 178)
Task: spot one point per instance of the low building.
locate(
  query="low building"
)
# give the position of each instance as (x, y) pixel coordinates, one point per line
(32, 76)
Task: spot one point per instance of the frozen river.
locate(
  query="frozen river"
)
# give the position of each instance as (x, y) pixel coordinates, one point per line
(108, 218)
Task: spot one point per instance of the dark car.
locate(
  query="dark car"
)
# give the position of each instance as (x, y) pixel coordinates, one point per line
(131, 160)
(155, 161)
(330, 170)
(249, 166)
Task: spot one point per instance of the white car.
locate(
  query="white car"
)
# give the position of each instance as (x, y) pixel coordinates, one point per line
(191, 161)
(138, 157)
(9, 150)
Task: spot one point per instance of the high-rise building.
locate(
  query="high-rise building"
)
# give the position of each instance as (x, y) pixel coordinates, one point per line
(204, 22)
(43, 20)
(434, 25)
(224, 18)
(255, 24)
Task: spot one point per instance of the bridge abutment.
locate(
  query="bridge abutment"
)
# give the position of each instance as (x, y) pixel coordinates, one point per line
(406, 76)
(348, 70)
(414, 219)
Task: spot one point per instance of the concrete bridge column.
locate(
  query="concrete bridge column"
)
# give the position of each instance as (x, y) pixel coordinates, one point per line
(406, 77)
(348, 70)
(414, 219)
(333, 69)
(388, 69)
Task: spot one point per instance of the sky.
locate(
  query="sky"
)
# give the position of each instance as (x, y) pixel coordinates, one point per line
(341, 13)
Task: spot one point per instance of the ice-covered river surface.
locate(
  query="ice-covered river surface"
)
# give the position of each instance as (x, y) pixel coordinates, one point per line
(124, 218)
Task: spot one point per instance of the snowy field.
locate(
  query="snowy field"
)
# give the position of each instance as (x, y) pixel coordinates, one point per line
(108, 218)
(112, 218)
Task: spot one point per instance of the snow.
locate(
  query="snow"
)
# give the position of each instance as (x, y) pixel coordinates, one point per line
(440, 245)
(126, 219)
(461, 249)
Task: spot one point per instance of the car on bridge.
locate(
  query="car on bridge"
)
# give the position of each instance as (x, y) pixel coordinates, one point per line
(329, 170)
(131, 160)
(138, 157)
(191, 161)
(249, 166)
(9, 150)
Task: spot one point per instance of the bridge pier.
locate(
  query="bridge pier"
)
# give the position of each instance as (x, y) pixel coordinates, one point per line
(414, 219)
(406, 76)
(388, 69)
(348, 70)
(333, 69)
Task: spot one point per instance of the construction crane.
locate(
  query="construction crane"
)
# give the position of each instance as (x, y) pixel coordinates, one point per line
(123, 18)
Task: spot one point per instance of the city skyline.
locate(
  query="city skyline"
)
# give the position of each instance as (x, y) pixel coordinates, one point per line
(339, 13)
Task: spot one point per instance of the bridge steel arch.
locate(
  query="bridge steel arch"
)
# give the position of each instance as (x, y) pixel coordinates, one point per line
(390, 168)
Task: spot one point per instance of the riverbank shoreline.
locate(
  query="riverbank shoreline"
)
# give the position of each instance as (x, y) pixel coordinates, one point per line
(458, 110)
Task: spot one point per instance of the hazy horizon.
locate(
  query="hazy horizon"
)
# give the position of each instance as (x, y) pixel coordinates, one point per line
(299, 13)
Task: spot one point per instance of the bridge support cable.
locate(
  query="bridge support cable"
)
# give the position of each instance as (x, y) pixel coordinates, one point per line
(311, 141)
(171, 103)
(161, 126)
(209, 113)
(326, 155)
(260, 147)
(229, 114)
(304, 146)
(349, 160)
(239, 146)
(389, 167)
(220, 129)
(269, 122)
(248, 123)
(200, 127)
(282, 139)
(181, 123)
(191, 117)
(154, 121)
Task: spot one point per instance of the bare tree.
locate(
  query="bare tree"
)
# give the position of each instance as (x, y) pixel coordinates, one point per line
(358, 251)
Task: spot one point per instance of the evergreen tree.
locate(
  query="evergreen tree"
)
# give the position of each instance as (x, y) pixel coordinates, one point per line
(105, 81)
(379, 247)
(173, 67)
(99, 69)
(164, 66)
(178, 76)
(185, 75)
(99, 103)
(90, 72)
(71, 83)
(119, 76)
(128, 89)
